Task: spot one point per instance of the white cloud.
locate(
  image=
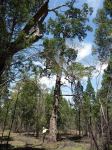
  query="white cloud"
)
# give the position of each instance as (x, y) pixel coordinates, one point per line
(64, 81)
(84, 51)
(49, 82)
(99, 69)
(84, 79)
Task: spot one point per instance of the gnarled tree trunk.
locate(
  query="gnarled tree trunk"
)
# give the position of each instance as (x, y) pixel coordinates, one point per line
(53, 119)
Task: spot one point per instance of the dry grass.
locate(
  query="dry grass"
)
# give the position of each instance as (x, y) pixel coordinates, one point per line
(21, 141)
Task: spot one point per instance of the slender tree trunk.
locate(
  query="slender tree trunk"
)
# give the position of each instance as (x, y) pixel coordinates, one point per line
(13, 117)
(37, 131)
(5, 121)
(108, 128)
(37, 126)
(21, 126)
(2, 81)
(53, 119)
(105, 130)
(94, 138)
(2, 66)
(79, 121)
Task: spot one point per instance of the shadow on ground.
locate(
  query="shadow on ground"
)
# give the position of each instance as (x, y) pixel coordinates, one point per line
(4, 138)
(6, 147)
(75, 138)
(29, 148)
(29, 134)
(69, 137)
(9, 147)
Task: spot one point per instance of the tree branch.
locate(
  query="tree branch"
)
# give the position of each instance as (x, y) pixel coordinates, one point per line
(38, 18)
(43, 11)
(58, 7)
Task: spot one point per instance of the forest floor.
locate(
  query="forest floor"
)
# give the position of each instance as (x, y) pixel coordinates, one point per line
(29, 142)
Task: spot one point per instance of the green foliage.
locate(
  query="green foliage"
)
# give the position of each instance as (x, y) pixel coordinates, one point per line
(56, 53)
(34, 107)
(78, 70)
(90, 104)
(30, 106)
(78, 94)
(71, 24)
(103, 35)
(108, 6)
(65, 115)
(65, 112)
(103, 41)
(90, 90)
(48, 107)
(105, 92)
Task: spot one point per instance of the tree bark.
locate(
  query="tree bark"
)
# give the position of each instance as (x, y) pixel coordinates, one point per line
(13, 117)
(2, 67)
(53, 119)
(105, 130)
(3, 63)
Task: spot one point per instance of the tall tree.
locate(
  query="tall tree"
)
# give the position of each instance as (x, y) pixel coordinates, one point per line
(71, 24)
(105, 96)
(103, 35)
(104, 50)
(91, 115)
(55, 57)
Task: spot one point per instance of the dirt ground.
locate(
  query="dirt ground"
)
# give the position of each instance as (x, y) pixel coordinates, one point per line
(29, 142)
